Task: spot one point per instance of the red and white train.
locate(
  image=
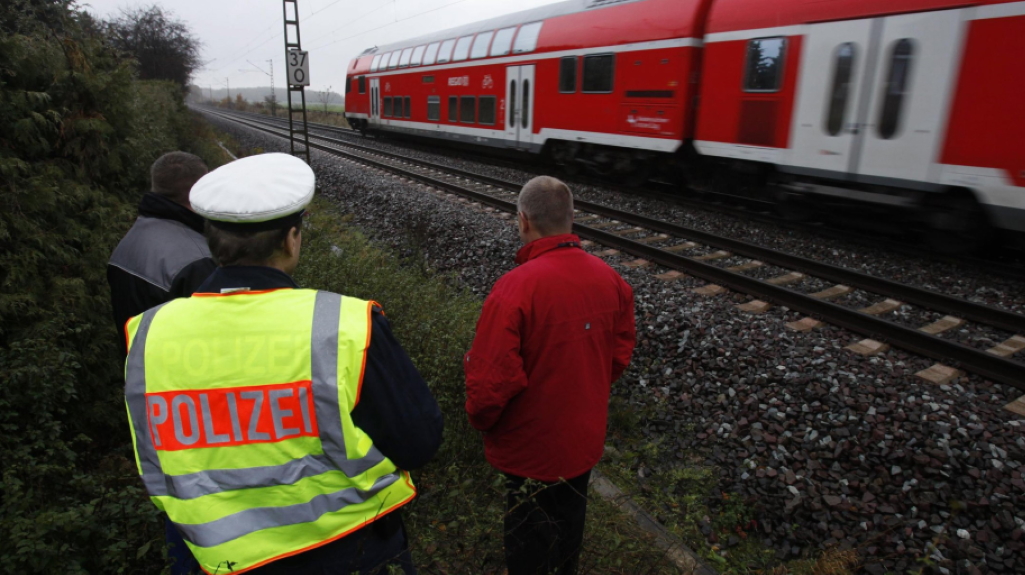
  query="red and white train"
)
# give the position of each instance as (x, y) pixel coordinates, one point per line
(916, 104)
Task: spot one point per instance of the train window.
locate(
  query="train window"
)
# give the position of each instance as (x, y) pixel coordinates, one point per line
(568, 75)
(526, 40)
(481, 44)
(503, 41)
(393, 61)
(462, 48)
(764, 64)
(895, 88)
(467, 107)
(839, 94)
(431, 54)
(404, 59)
(486, 112)
(512, 104)
(349, 85)
(453, 108)
(362, 84)
(374, 65)
(397, 107)
(598, 72)
(434, 108)
(387, 106)
(445, 54)
(418, 56)
(409, 107)
(526, 103)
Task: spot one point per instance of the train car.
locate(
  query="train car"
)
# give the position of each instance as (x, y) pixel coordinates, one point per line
(607, 84)
(915, 105)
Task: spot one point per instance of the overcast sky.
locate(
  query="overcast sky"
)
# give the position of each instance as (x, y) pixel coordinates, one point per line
(238, 34)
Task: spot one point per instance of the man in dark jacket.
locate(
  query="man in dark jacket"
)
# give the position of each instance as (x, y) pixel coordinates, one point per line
(164, 256)
(553, 335)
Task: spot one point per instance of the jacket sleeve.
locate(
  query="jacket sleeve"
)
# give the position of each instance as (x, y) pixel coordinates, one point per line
(494, 367)
(191, 277)
(626, 333)
(396, 409)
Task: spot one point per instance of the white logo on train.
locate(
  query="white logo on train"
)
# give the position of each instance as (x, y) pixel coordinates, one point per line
(459, 81)
(645, 122)
(488, 82)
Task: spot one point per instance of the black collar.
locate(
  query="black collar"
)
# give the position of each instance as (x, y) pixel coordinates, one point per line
(250, 278)
(153, 206)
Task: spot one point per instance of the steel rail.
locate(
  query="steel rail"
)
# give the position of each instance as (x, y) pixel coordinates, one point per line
(987, 365)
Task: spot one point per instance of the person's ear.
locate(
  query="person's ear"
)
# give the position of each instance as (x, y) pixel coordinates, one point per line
(293, 241)
(523, 222)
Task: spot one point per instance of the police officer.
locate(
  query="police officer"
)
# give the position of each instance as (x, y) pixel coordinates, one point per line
(275, 425)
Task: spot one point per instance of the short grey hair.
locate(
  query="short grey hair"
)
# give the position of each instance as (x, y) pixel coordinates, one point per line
(174, 174)
(548, 205)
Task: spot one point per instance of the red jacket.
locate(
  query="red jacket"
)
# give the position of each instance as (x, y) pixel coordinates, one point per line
(554, 334)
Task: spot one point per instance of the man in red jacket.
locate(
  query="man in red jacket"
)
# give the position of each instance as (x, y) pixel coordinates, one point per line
(553, 336)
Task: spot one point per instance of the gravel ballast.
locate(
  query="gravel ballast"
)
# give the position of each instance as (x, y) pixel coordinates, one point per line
(832, 448)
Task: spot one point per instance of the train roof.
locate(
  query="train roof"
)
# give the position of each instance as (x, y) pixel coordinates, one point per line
(734, 15)
(577, 22)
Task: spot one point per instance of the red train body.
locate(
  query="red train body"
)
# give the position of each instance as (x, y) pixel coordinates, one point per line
(904, 103)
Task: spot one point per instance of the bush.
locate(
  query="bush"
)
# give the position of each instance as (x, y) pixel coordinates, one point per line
(77, 136)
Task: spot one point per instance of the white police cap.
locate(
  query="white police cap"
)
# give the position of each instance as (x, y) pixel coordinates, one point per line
(257, 190)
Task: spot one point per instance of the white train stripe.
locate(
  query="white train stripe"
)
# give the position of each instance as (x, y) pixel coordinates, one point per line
(667, 145)
(990, 11)
(759, 33)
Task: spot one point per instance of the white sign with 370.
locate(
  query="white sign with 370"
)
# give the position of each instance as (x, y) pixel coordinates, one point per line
(298, 68)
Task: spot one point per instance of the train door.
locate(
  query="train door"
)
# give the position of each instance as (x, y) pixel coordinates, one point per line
(519, 98)
(375, 99)
(835, 69)
(906, 113)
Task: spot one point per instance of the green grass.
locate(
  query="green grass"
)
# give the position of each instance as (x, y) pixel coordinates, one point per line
(686, 497)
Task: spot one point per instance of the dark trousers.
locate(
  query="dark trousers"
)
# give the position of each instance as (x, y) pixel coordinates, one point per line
(178, 554)
(544, 525)
(368, 551)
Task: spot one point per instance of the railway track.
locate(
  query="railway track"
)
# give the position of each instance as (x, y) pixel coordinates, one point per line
(687, 251)
(1005, 263)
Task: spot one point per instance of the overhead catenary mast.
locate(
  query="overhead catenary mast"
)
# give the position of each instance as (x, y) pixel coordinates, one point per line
(298, 77)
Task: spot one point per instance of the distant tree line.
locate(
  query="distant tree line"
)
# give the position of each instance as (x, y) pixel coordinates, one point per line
(163, 47)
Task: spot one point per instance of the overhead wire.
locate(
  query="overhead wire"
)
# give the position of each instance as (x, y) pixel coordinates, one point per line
(388, 24)
(274, 37)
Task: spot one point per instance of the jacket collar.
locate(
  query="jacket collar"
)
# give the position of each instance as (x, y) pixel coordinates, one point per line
(246, 278)
(154, 206)
(544, 245)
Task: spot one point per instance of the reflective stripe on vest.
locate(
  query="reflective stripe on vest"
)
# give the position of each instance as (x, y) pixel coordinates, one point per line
(168, 421)
(324, 359)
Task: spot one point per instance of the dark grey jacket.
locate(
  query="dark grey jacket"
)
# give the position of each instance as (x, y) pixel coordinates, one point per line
(164, 256)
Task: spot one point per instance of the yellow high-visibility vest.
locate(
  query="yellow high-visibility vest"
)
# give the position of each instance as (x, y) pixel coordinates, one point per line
(240, 407)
